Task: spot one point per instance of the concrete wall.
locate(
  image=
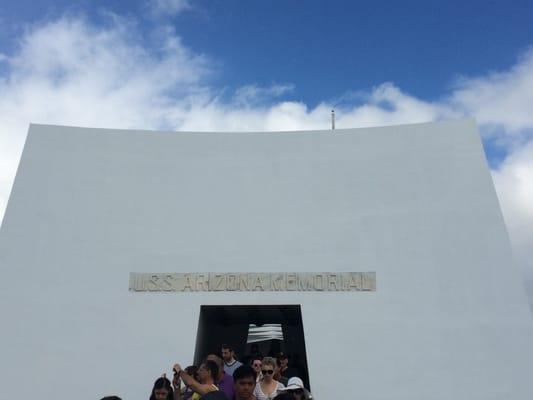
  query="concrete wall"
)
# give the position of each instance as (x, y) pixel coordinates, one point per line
(413, 203)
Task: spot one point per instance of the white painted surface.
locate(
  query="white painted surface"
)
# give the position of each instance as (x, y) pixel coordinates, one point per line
(414, 203)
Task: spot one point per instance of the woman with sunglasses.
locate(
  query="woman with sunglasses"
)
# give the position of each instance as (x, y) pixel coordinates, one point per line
(267, 388)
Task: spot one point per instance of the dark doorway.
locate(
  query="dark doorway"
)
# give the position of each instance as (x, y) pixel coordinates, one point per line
(271, 329)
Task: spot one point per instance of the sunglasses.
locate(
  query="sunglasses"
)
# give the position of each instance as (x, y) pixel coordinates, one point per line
(267, 371)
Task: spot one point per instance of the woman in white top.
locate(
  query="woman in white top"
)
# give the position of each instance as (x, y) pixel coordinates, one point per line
(267, 388)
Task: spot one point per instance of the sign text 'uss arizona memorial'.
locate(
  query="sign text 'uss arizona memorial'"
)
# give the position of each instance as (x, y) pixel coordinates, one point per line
(251, 282)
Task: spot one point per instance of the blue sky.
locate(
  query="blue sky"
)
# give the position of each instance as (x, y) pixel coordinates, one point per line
(276, 65)
(326, 48)
(325, 51)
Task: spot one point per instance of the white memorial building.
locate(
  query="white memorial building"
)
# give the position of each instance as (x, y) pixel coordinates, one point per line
(376, 258)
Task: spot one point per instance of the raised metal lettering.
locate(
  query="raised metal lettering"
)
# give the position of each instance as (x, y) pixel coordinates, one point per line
(249, 282)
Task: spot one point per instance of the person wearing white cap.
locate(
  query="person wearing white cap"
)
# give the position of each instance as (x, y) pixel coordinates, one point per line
(297, 388)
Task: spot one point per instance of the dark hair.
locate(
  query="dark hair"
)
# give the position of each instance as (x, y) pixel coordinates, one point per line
(244, 371)
(227, 347)
(192, 370)
(111, 398)
(284, 396)
(255, 358)
(217, 359)
(216, 395)
(212, 367)
(162, 383)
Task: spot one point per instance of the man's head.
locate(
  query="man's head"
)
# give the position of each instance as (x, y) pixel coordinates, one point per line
(277, 371)
(208, 371)
(218, 361)
(256, 364)
(227, 353)
(192, 370)
(244, 379)
(283, 360)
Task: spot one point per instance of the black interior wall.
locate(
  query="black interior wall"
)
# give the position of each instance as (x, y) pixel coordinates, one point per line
(229, 324)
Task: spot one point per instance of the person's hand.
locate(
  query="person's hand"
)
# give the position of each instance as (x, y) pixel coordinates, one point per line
(177, 368)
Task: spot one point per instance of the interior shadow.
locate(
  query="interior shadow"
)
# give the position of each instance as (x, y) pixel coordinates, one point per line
(231, 324)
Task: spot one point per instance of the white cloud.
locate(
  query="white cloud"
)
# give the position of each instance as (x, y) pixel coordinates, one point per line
(514, 184)
(500, 98)
(501, 103)
(252, 94)
(71, 72)
(388, 105)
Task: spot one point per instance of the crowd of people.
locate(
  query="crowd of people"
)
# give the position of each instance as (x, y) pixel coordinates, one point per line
(223, 377)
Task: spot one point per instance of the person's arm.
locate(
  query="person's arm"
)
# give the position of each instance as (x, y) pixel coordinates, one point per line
(176, 382)
(191, 382)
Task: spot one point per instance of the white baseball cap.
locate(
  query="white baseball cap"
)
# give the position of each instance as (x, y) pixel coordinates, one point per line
(295, 383)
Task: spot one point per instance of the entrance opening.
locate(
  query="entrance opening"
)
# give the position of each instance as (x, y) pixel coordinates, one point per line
(268, 330)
